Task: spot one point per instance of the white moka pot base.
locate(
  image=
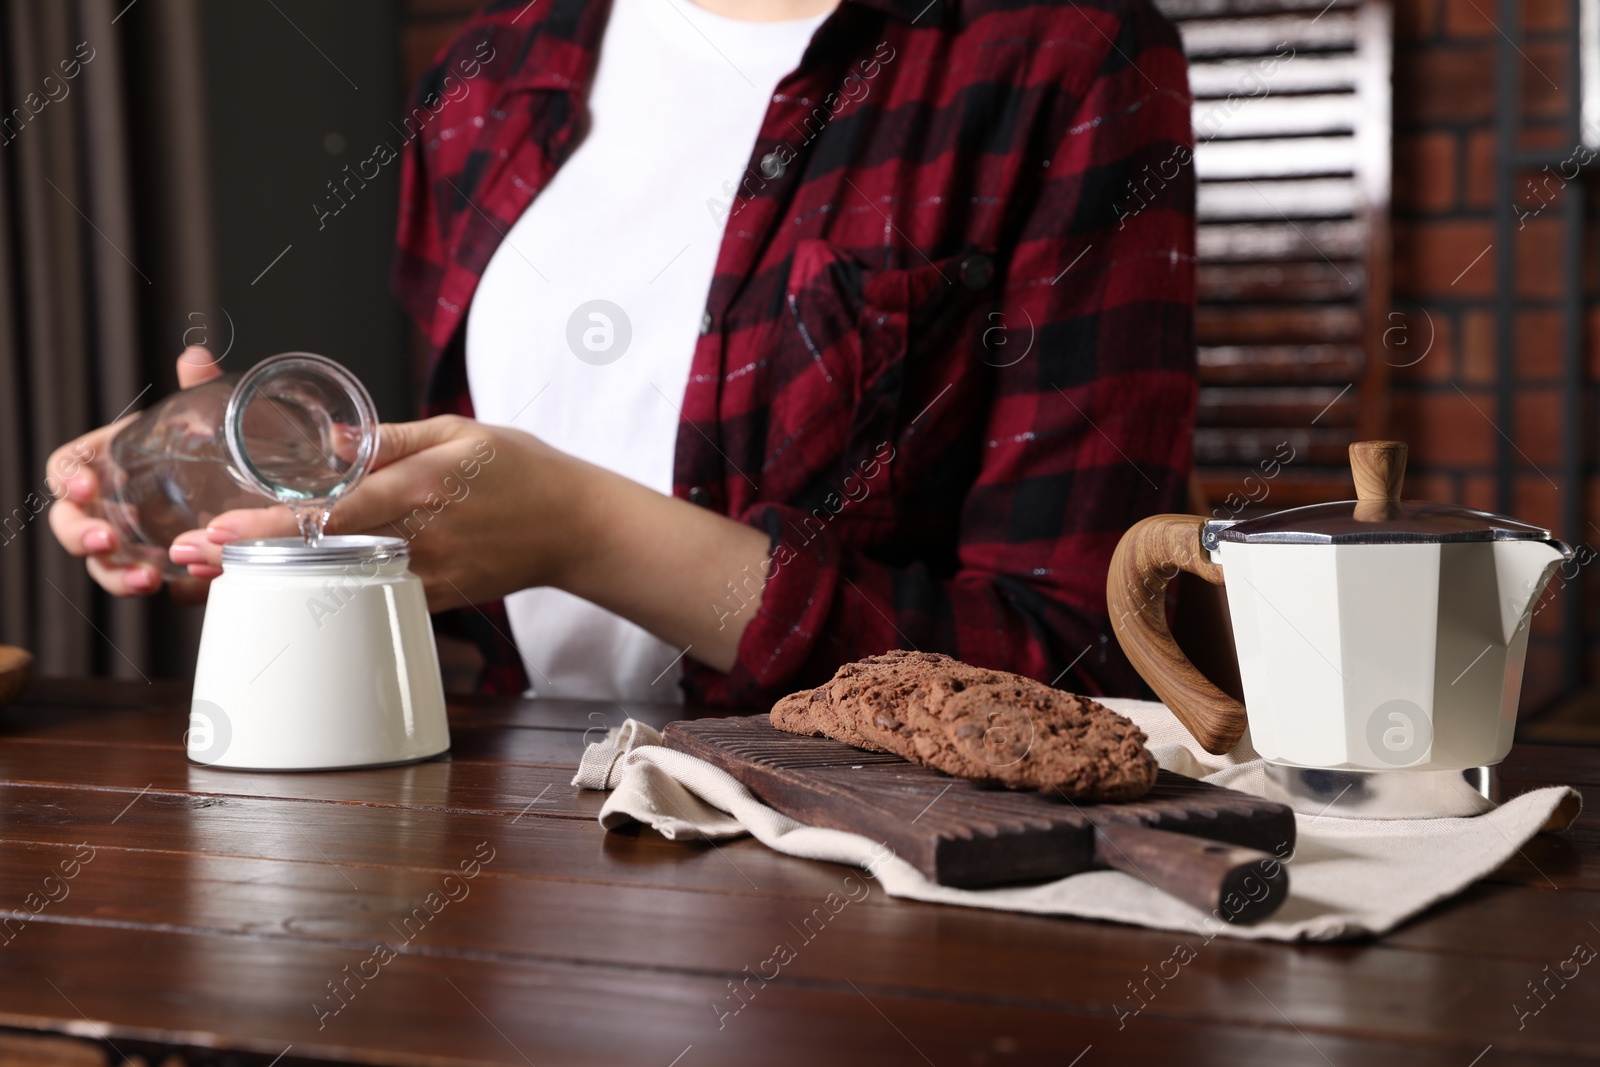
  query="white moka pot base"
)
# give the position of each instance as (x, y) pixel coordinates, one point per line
(316, 662)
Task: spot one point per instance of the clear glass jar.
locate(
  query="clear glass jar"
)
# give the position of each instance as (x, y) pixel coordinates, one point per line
(297, 429)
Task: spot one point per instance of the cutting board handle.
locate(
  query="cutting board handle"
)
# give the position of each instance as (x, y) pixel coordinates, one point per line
(1234, 884)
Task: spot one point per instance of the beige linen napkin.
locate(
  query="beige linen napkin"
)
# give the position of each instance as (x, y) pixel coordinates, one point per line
(1348, 877)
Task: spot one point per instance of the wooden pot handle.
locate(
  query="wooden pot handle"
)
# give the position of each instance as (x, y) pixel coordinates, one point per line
(1149, 556)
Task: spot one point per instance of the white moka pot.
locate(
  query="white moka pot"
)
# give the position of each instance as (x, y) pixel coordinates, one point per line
(1380, 641)
(316, 658)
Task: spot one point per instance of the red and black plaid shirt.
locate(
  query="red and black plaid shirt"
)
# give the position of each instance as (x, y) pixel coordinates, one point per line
(948, 352)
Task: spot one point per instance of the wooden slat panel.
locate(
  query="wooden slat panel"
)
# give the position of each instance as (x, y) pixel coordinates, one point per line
(1249, 447)
(1322, 198)
(1310, 323)
(1224, 283)
(1281, 157)
(1180, 10)
(1277, 406)
(1268, 35)
(1221, 242)
(1216, 79)
(1275, 116)
(1280, 364)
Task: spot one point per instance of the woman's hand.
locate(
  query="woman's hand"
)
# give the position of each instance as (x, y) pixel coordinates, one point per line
(95, 540)
(477, 505)
(488, 510)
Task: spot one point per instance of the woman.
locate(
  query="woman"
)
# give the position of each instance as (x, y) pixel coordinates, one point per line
(900, 374)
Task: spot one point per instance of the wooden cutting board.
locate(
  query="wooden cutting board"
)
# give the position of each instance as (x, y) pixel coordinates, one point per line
(1211, 847)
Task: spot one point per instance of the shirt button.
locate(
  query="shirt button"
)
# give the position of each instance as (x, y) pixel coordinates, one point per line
(705, 323)
(772, 165)
(700, 496)
(977, 271)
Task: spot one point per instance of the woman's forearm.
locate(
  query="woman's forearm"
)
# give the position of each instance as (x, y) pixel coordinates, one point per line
(688, 575)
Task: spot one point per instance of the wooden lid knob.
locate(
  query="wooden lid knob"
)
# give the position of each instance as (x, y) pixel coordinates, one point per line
(1379, 468)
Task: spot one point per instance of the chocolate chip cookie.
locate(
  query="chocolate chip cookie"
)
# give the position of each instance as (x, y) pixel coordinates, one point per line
(976, 723)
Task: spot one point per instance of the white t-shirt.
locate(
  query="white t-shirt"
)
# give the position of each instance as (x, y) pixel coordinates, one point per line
(585, 321)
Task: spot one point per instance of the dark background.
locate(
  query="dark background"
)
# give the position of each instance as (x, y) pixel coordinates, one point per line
(294, 93)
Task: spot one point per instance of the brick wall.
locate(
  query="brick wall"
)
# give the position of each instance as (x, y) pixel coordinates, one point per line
(1444, 262)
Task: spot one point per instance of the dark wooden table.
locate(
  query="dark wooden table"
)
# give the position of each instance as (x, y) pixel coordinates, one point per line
(218, 910)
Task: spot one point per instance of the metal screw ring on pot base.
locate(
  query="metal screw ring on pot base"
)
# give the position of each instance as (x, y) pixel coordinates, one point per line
(1374, 635)
(1381, 794)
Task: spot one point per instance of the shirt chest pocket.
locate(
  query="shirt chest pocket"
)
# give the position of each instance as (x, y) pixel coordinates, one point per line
(839, 352)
